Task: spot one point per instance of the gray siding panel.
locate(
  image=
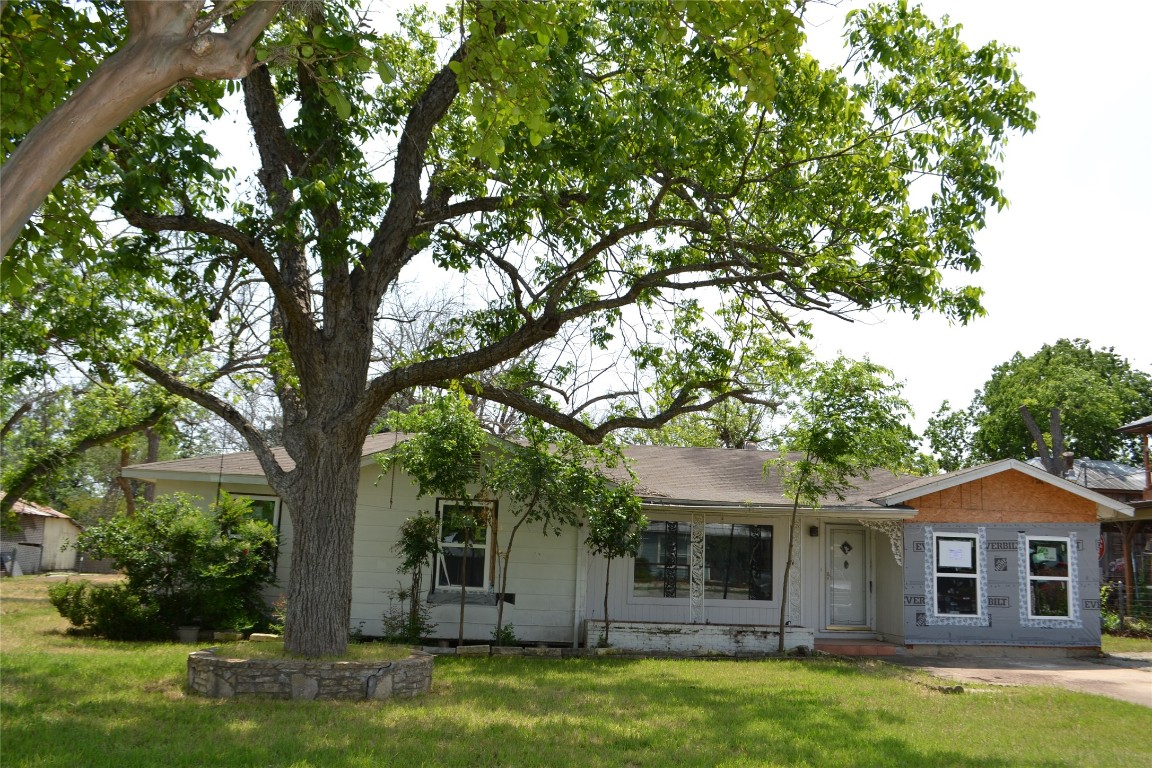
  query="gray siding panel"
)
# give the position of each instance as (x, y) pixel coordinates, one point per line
(1005, 618)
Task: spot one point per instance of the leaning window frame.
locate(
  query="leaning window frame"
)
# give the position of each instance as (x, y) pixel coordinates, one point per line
(932, 574)
(488, 579)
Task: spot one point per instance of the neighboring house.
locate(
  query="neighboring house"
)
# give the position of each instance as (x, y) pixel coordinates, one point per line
(42, 542)
(993, 556)
(1125, 484)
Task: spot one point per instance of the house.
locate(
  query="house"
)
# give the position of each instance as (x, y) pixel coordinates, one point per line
(1128, 540)
(41, 543)
(998, 556)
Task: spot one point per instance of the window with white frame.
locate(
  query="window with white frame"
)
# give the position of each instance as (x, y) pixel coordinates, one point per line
(957, 574)
(266, 508)
(1048, 577)
(465, 538)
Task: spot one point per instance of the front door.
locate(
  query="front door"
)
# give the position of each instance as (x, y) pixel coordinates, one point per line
(847, 578)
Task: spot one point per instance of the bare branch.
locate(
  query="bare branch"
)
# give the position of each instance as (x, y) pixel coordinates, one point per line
(272, 469)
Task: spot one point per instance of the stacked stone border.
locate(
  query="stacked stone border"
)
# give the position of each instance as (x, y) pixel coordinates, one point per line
(566, 652)
(221, 677)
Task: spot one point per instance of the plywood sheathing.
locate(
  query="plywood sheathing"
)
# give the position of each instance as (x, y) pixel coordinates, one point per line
(1006, 497)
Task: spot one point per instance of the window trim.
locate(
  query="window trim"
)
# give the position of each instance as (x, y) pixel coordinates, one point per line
(1029, 578)
(276, 510)
(931, 575)
(489, 531)
(1075, 608)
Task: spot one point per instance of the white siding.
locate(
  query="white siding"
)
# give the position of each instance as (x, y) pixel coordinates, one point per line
(542, 568)
(889, 591)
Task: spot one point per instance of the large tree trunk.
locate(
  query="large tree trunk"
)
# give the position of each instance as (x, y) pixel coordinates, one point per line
(322, 505)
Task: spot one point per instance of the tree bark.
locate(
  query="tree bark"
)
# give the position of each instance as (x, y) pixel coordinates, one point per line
(152, 457)
(321, 499)
(163, 47)
(126, 484)
(1053, 464)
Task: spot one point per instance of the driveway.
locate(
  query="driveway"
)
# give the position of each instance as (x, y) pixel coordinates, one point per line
(1124, 676)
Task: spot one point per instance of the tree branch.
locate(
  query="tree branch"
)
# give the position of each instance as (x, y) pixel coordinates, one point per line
(56, 458)
(272, 469)
(162, 49)
(388, 251)
(684, 402)
(249, 247)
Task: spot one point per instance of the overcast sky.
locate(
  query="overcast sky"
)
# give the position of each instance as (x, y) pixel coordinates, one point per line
(1071, 257)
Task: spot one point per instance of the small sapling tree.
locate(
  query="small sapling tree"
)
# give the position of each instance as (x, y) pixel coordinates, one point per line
(551, 479)
(442, 458)
(418, 544)
(615, 528)
(846, 421)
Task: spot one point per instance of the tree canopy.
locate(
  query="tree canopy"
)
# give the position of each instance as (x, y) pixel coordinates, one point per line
(1095, 390)
(638, 201)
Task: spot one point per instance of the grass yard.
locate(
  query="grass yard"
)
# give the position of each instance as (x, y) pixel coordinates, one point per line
(69, 702)
(1114, 644)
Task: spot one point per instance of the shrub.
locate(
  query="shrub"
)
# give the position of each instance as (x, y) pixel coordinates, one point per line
(118, 613)
(406, 621)
(70, 598)
(182, 567)
(505, 635)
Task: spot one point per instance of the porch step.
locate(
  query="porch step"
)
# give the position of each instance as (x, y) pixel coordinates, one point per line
(858, 647)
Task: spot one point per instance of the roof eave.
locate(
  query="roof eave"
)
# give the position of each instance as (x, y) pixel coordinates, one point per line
(141, 472)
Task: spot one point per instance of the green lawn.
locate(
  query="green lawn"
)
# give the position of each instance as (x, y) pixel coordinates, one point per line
(69, 702)
(1112, 644)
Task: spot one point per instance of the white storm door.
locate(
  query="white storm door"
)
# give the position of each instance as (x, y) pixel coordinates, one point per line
(847, 564)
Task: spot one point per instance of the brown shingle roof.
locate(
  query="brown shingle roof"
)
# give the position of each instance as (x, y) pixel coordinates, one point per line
(245, 463)
(731, 476)
(702, 475)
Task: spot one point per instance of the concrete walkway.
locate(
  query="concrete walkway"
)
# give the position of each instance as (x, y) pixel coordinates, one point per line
(1124, 676)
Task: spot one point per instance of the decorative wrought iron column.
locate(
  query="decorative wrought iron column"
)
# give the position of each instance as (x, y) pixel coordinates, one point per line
(671, 529)
(696, 571)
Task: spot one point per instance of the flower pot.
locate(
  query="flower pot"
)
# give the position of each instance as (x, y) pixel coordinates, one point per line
(187, 634)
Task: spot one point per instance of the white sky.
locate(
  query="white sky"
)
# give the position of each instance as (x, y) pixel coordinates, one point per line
(1071, 256)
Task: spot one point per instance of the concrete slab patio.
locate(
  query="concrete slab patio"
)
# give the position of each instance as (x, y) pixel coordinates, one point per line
(1127, 676)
